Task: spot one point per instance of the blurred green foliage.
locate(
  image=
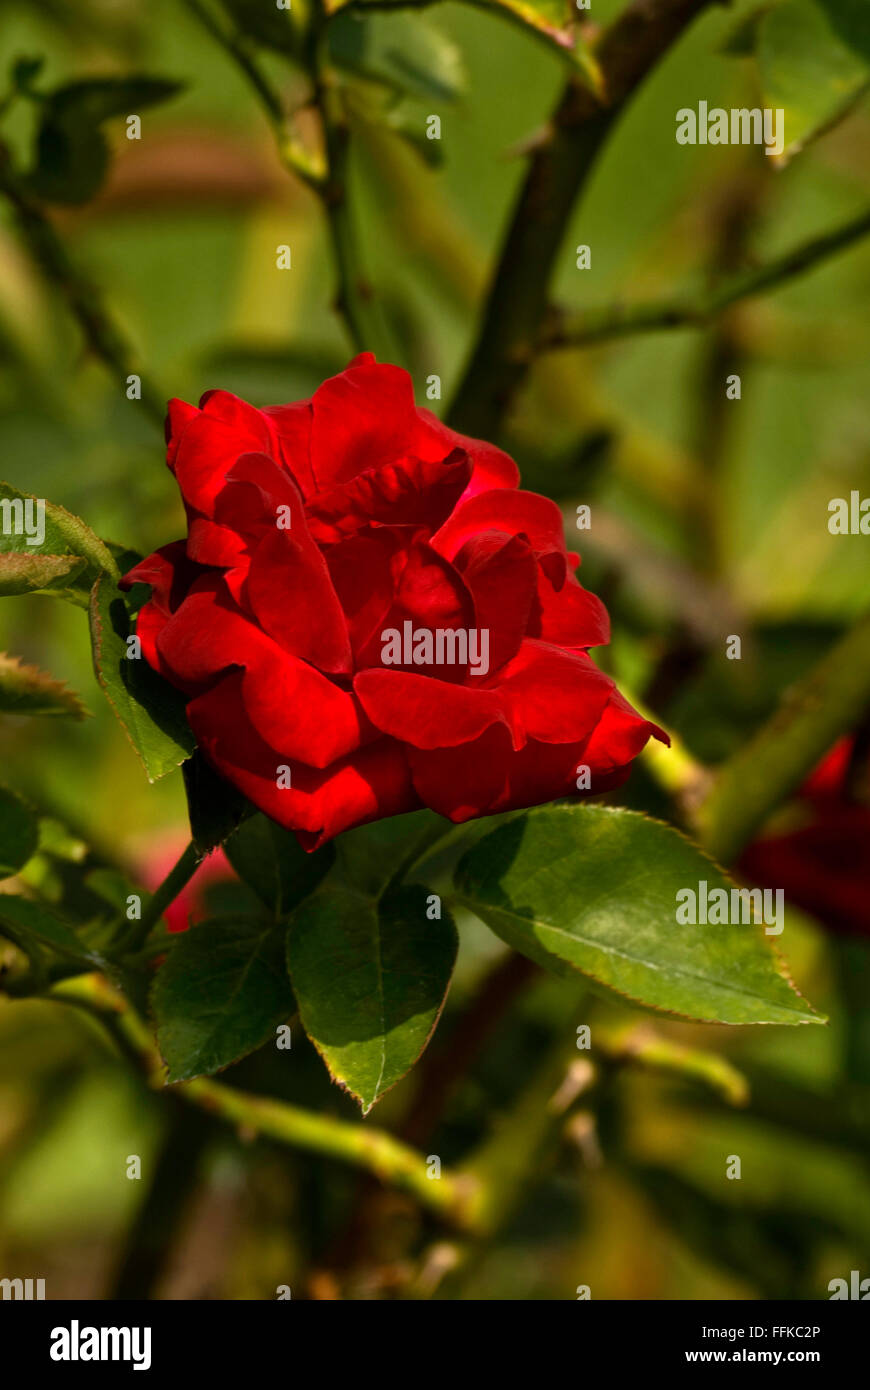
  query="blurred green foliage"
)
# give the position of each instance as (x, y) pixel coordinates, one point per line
(181, 238)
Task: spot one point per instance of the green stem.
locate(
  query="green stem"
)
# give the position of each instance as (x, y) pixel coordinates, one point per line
(379, 1153)
(355, 300)
(161, 899)
(102, 334)
(387, 1158)
(826, 704)
(559, 171)
(640, 1044)
(569, 329)
(294, 158)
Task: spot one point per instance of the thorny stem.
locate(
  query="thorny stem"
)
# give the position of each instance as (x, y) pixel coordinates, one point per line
(558, 172)
(375, 1150)
(102, 333)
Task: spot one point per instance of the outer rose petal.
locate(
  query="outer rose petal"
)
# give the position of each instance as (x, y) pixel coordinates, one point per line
(571, 616)
(552, 695)
(493, 468)
(544, 693)
(487, 777)
(211, 442)
(373, 783)
(170, 574)
(621, 734)
(205, 638)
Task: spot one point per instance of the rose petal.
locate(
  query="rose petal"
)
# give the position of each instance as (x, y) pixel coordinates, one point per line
(319, 804)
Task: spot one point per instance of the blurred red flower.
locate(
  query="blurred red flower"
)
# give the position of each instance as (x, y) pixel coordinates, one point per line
(822, 865)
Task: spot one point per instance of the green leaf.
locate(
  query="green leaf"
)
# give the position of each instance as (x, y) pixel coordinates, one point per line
(813, 60)
(370, 855)
(401, 51)
(26, 922)
(150, 710)
(272, 862)
(221, 993)
(19, 833)
(27, 690)
(25, 518)
(25, 574)
(850, 21)
(593, 890)
(405, 116)
(214, 806)
(554, 21)
(72, 153)
(370, 977)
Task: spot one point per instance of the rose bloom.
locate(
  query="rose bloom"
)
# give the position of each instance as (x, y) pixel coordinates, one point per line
(821, 865)
(315, 528)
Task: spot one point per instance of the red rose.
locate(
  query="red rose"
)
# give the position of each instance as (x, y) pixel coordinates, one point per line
(325, 539)
(821, 865)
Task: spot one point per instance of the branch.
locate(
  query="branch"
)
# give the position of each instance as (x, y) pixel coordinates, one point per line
(812, 715)
(580, 328)
(626, 52)
(102, 333)
(354, 298)
(294, 158)
(389, 1160)
(162, 898)
(639, 1043)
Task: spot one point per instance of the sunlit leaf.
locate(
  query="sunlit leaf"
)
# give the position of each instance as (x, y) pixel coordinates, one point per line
(593, 891)
(813, 60)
